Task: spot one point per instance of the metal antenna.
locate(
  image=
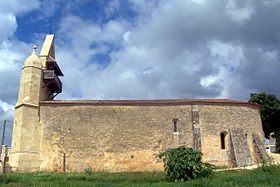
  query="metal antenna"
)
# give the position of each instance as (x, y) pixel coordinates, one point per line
(50, 29)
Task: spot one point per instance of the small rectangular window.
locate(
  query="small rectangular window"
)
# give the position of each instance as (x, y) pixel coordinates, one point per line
(223, 146)
(175, 128)
(175, 125)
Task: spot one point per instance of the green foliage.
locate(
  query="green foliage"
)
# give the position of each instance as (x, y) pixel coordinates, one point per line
(270, 111)
(277, 136)
(270, 114)
(182, 163)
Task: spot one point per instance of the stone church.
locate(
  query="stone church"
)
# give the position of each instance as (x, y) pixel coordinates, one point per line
(122, 135)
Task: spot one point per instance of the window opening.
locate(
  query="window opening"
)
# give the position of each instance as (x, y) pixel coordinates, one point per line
(175, 129)
(175, 125)
(223, 146)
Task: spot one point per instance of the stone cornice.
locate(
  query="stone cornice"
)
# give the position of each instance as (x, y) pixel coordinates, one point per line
(163, 102)
(32, 66)
(26, 104)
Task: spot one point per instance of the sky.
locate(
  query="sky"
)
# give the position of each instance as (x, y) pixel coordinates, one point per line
(145, 49)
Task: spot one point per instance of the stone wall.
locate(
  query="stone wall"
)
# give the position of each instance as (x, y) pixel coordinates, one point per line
(215, 120)
(113, 138)
(129, 137)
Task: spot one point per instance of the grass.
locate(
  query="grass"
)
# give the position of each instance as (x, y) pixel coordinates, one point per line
(266, 175)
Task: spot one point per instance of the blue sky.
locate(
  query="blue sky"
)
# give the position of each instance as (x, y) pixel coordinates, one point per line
(33, 26)
(35, 22)
(145, 49)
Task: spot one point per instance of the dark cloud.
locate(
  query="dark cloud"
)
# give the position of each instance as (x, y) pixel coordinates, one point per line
(261, 70)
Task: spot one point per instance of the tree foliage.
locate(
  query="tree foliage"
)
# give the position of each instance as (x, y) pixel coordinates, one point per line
(182, 163)
(270, 114)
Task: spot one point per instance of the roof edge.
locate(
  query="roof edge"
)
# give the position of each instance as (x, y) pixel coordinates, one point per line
(159, 102)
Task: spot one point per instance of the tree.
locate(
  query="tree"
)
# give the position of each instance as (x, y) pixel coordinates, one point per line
(270, 114)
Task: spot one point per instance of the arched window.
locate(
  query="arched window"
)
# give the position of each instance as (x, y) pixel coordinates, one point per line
(223, 144)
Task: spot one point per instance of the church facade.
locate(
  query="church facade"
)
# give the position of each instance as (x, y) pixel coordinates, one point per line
(123, 135)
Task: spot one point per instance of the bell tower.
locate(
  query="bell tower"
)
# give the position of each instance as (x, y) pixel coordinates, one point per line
(51, 71)
(39, 82)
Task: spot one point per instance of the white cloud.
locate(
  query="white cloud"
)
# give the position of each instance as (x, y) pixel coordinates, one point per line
(12, 55)
(18, 6)
(144, 7)
(271, 3)
(149, 64)
(8, 26)
(114, 30)
(12, 52)
(240, 11)
(6, 111)
(112, 7)
(172, 49)
(200, 2)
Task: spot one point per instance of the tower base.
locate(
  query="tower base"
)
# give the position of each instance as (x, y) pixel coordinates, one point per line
(25, 162)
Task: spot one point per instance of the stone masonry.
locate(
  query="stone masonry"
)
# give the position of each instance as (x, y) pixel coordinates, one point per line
(240, 147)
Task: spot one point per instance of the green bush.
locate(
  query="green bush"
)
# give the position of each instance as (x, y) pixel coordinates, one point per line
(182, 163)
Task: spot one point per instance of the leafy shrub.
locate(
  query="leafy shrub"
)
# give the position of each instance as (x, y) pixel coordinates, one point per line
(182, 163)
